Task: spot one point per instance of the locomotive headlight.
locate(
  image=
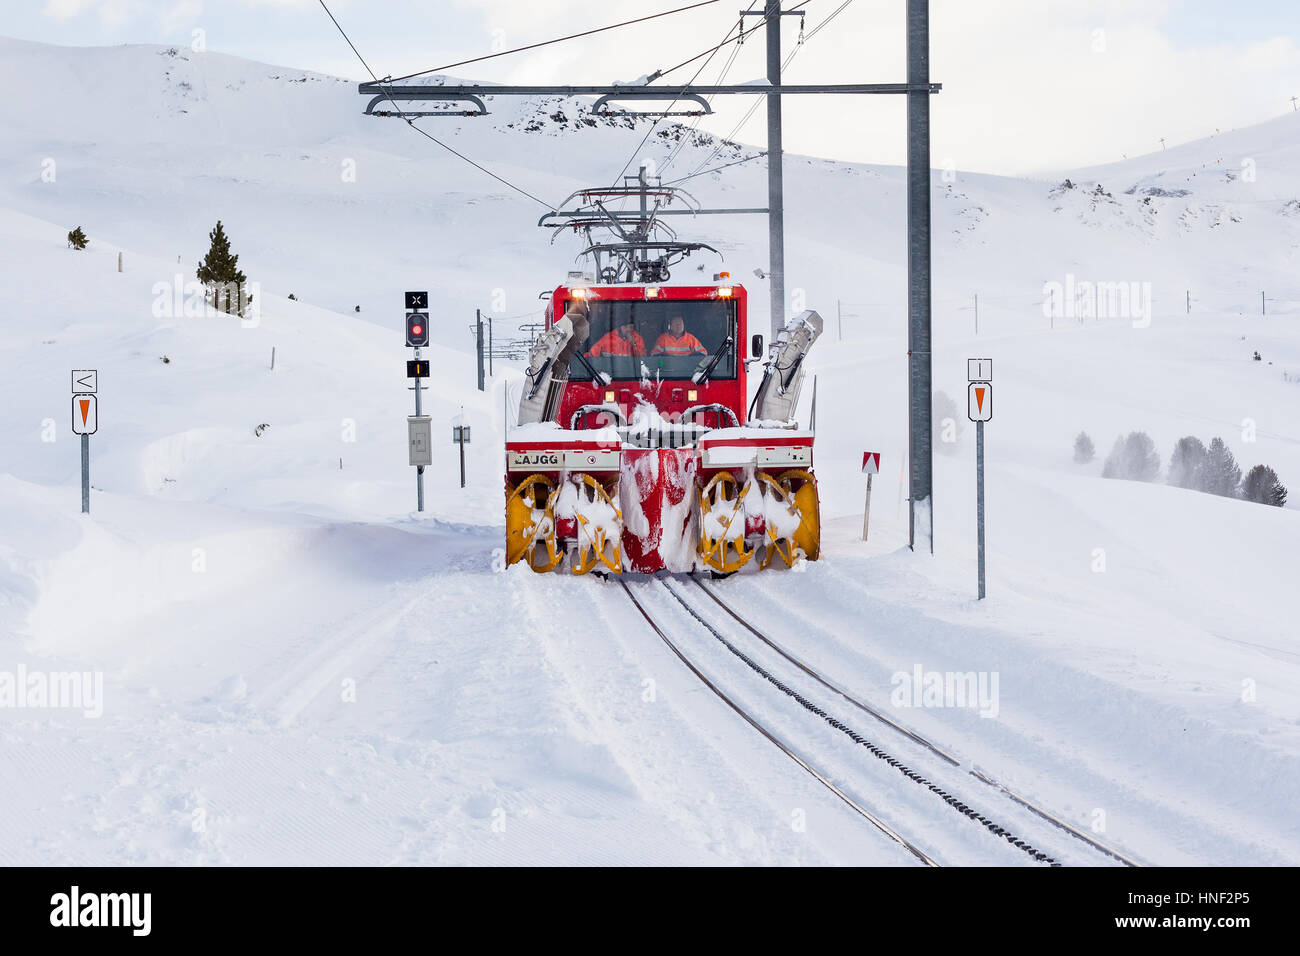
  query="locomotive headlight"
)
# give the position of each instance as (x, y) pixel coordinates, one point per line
(692, 394)
(579, 293)
(651, 292)
(724, 292)
(609, 396)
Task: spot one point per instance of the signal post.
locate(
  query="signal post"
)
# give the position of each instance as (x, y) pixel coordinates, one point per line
(419, 426)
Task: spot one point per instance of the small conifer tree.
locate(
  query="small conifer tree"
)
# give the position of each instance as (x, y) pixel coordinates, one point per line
(219, 272)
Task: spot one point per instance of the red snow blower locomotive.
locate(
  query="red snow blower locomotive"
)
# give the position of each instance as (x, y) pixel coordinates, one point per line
(635, 450)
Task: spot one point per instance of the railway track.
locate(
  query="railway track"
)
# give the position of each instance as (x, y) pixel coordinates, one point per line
(777, 741)
(948, 794)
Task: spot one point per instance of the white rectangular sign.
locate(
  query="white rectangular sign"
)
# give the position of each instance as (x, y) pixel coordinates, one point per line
(979, 405)
(85, 380)
(979, 370)
(85, 414)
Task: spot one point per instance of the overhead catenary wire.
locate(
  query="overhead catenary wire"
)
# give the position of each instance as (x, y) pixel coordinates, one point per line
(572, 36)
(700, 169)
(709, 53)
(410, 121)
(695, 123)
(714, 169)
(739, 38)
(660, 117)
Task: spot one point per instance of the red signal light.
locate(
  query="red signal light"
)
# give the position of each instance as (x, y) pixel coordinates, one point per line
(417, 329)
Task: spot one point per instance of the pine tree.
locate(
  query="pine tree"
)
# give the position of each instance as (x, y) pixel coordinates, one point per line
(219, 271)
(1262, 486)
(1187, 463)
(77, 239)
(1144, 460)
(1133, 458)
(1222, 474)
(1084, 451)
(1114, 464)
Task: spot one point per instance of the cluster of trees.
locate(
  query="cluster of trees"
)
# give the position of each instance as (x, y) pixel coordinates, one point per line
(1212, 469)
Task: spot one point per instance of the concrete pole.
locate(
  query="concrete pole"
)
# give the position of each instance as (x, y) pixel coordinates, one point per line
(918, 267)
(775, 186)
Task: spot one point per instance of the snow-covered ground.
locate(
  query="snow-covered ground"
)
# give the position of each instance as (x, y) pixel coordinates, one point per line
(297, 668)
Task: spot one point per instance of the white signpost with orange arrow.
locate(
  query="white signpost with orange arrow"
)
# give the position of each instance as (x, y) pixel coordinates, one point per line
(85, 414)
(979, 408)
(85, 422)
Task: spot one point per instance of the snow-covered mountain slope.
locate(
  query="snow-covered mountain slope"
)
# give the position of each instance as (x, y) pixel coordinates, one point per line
(297, 668)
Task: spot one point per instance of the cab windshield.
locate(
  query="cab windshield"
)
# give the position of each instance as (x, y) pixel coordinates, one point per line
(661, 339)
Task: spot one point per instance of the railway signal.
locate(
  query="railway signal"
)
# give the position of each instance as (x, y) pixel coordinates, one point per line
(418, 428)
(417, 329)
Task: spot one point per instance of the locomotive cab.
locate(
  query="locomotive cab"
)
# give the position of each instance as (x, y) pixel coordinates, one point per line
(676, 349)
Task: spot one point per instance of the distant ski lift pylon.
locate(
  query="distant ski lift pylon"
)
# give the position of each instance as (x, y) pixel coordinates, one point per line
(600, 107)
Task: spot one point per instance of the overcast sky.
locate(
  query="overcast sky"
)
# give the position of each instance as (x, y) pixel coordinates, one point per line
(1029, 85)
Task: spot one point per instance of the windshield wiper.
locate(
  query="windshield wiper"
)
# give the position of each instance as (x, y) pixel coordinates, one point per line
(603, 378)
(705, 370)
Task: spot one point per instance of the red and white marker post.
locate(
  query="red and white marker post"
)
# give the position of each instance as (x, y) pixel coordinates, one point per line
(870, 466)
(979, 409)
(85, 422)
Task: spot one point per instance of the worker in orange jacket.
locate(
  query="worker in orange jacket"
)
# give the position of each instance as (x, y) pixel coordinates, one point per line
(622, 340)
(677, 341)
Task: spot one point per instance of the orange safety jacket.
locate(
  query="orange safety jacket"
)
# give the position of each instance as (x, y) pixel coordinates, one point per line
(611, 343)
(687, 344)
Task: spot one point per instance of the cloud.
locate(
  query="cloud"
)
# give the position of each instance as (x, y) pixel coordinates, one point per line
(67, 9)
(181, 14)
(112, 13)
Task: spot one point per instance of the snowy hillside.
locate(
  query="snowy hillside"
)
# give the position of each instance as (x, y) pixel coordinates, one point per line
(298, 668)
